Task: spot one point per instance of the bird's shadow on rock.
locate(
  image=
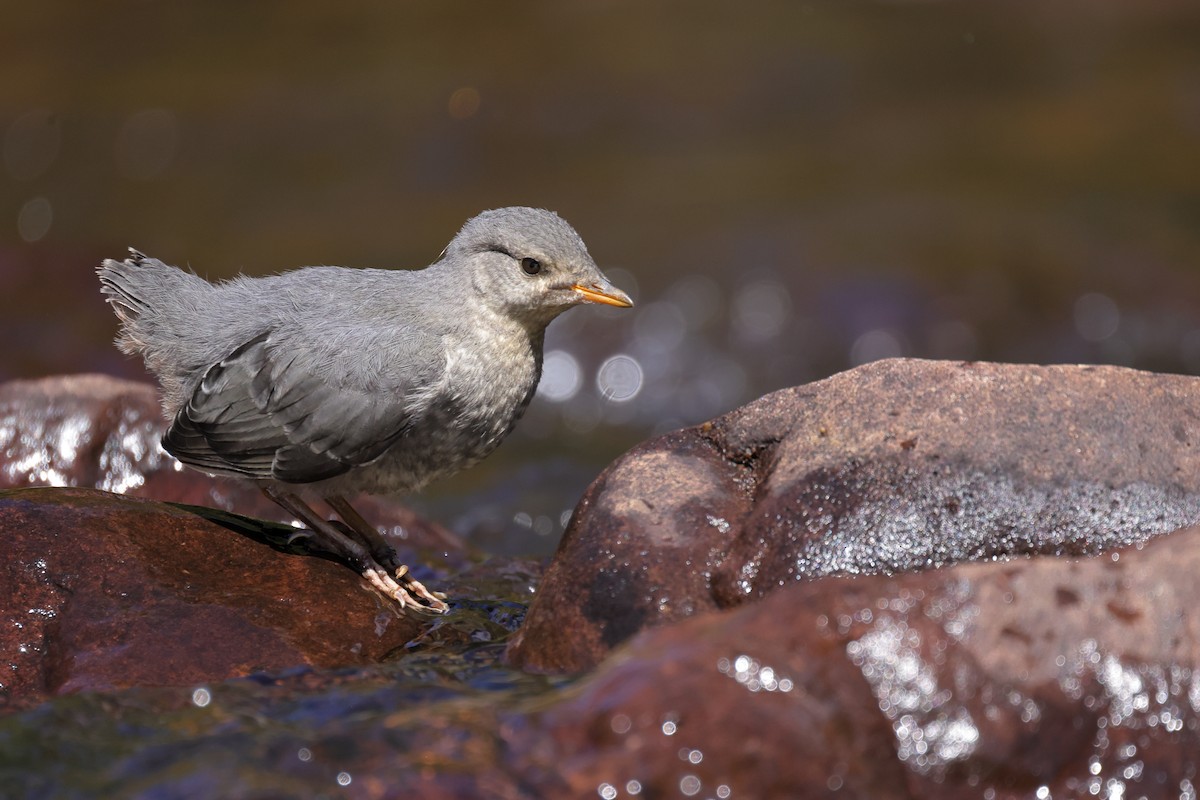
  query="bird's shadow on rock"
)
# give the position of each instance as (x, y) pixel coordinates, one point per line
(278, 536)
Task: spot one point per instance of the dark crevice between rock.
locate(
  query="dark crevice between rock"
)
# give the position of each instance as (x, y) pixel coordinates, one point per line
(752, 464)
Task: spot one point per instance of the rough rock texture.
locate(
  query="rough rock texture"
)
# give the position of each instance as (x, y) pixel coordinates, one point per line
(979, 680)
(1063, 674)
(103, 432)
(896, 466)
(99, 591)
(1032, 678)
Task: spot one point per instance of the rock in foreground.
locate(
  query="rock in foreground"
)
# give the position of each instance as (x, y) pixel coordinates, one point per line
(102, 591)
(893, 467)
(1040, 677)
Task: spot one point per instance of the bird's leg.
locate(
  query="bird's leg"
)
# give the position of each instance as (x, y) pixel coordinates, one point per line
(383, 552)
(365, 532)
(350, 549)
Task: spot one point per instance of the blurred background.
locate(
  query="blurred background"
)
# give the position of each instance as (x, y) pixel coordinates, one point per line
(788, 189)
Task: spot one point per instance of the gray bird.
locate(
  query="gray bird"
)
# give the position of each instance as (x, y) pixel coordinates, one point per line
(327, 381)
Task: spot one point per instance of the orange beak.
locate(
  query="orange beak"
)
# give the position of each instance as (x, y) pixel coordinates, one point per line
(604, 293)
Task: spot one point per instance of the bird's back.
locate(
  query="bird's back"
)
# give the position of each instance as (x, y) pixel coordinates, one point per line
(181, 324)
(280, 377)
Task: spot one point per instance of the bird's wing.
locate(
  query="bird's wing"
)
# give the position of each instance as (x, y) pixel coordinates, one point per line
(257, 413)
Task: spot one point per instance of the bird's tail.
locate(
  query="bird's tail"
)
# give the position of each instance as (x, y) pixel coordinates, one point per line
(119, 285)
(132, 287)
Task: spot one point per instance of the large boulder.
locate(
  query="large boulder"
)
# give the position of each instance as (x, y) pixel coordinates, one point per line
(1032, 678)
(1040, 677)
(897, 466)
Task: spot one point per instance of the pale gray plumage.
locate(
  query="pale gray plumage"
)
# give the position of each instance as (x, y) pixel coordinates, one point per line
(350, 380)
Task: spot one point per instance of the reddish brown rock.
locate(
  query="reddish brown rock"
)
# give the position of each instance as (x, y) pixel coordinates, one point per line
(896, 466)
(657, 525)
(1036, 677)
(104, 591)
(1041, 677)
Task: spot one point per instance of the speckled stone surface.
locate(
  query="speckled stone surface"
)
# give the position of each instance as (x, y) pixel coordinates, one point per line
(896, 466)
(1034, 678)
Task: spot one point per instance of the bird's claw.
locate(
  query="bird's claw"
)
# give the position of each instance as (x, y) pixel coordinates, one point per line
(412, 594)
(434, 601)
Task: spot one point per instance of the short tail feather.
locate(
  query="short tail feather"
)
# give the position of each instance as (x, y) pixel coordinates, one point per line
(118, 286)
(144, 292)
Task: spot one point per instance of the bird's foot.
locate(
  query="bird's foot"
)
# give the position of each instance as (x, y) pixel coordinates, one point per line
(404, 589)
(360, 545)
(432, 596)
(434, 601)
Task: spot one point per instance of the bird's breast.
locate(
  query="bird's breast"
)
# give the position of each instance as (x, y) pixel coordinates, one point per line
(457, 420)
(490, 382)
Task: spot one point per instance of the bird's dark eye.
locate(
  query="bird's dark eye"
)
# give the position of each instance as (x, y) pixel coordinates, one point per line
(531, 265)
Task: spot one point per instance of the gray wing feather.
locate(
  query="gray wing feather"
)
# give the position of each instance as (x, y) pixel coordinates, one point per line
(257, 414)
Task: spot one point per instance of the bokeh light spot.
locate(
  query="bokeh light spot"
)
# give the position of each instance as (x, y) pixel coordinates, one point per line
(33, 221)
(659, 327)
(698, 298)
(561, 376)
(619, 378)
(464, 102)
(1096, 317)
(874, 345)
(760, 310)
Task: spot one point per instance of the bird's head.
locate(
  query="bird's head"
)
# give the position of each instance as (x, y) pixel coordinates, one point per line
(529, 264)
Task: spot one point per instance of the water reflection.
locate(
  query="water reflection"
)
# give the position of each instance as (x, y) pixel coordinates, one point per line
(932, 730)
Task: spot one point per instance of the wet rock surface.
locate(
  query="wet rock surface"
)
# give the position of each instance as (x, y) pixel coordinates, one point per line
(1040, 677)
(1032, 678)
(896, 466)
(186, 652)
(103, 591)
